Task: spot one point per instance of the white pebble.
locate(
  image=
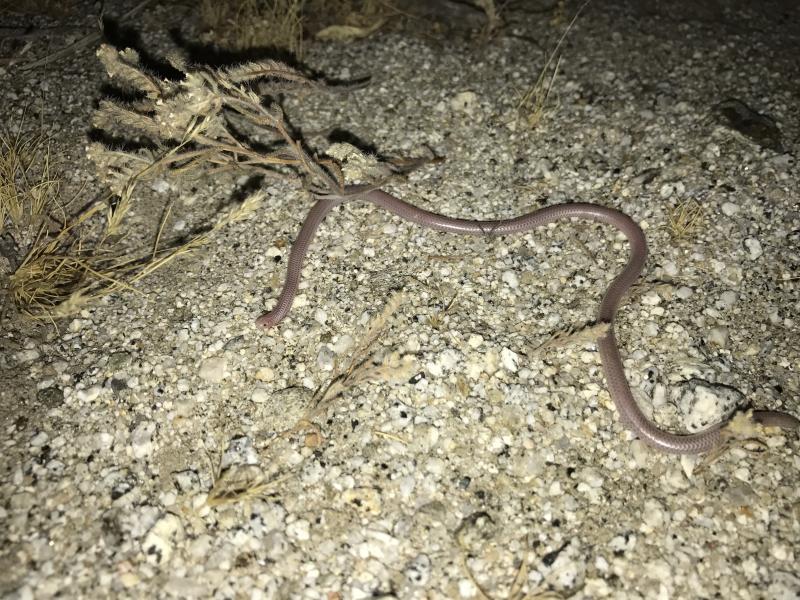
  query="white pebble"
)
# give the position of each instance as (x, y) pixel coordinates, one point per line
(592, 477)
(464, 102)
(259, 395)
(659, 394)
(326, 358)
(39, 440)
(474, 341)
(418, 570)
(213, 370)
(265, 374)
(727, 299)
(89, 394)
(719, 336)
(434, 466)
(641, 452)
(704, 403)
(670, 268)
(142, 439)
(103, 440)
(510, 279)
(299, 530)
(510, 360)
(780, 551)
(158, 543)
(27, 355)
(729, 209)
(653, 514)
(343, 344)
(435, 369)
(754, 247)
(449, 359)
(651, 299)
(466, 589)
(160, 186)
(412, 344)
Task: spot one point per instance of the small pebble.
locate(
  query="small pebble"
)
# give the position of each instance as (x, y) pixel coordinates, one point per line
(754, 248)
(142, 439)
(260, 395)
(510, 279)
(510, 360)
(326, 358)
(214, 369)
(729, 209)
(718, 336)
(159, 541)
(464, 102)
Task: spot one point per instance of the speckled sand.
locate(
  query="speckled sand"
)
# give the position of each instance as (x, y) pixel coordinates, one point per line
(490, 469)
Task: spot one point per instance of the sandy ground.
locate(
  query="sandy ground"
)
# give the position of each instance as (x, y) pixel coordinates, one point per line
(154, 445)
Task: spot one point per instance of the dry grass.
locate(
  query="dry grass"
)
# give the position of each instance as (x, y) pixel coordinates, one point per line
(203, 123)
(534, 101)
(55, 260)
(242, 483)
(685, 219)
(70, 267)
(366, 365)
(29, 188)
(243, 24)
(44, 258)
(572, 336)
(360, 15)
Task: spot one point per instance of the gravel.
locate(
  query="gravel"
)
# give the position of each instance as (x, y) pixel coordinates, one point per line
(159, 445)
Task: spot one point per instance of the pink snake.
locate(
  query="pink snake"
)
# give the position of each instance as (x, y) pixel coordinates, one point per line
(632, 416)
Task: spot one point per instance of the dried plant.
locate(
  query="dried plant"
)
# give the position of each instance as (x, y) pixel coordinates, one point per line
(685, 219)
(45, 253)
(244, 24)
(492, 16)
(741, 431)
(572, 335)
(532, 104)
(65, 262)
(203, 121)
(243, 483)
(55, 262)
(70, 268)
(30, 187)
(344, 20)
(365, 365)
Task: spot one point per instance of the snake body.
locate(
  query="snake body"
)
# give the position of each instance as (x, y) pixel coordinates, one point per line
(630, 413)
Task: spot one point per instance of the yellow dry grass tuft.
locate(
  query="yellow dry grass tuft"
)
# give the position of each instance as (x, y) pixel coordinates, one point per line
(57, 262)
(685, 219)
(28, 187)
